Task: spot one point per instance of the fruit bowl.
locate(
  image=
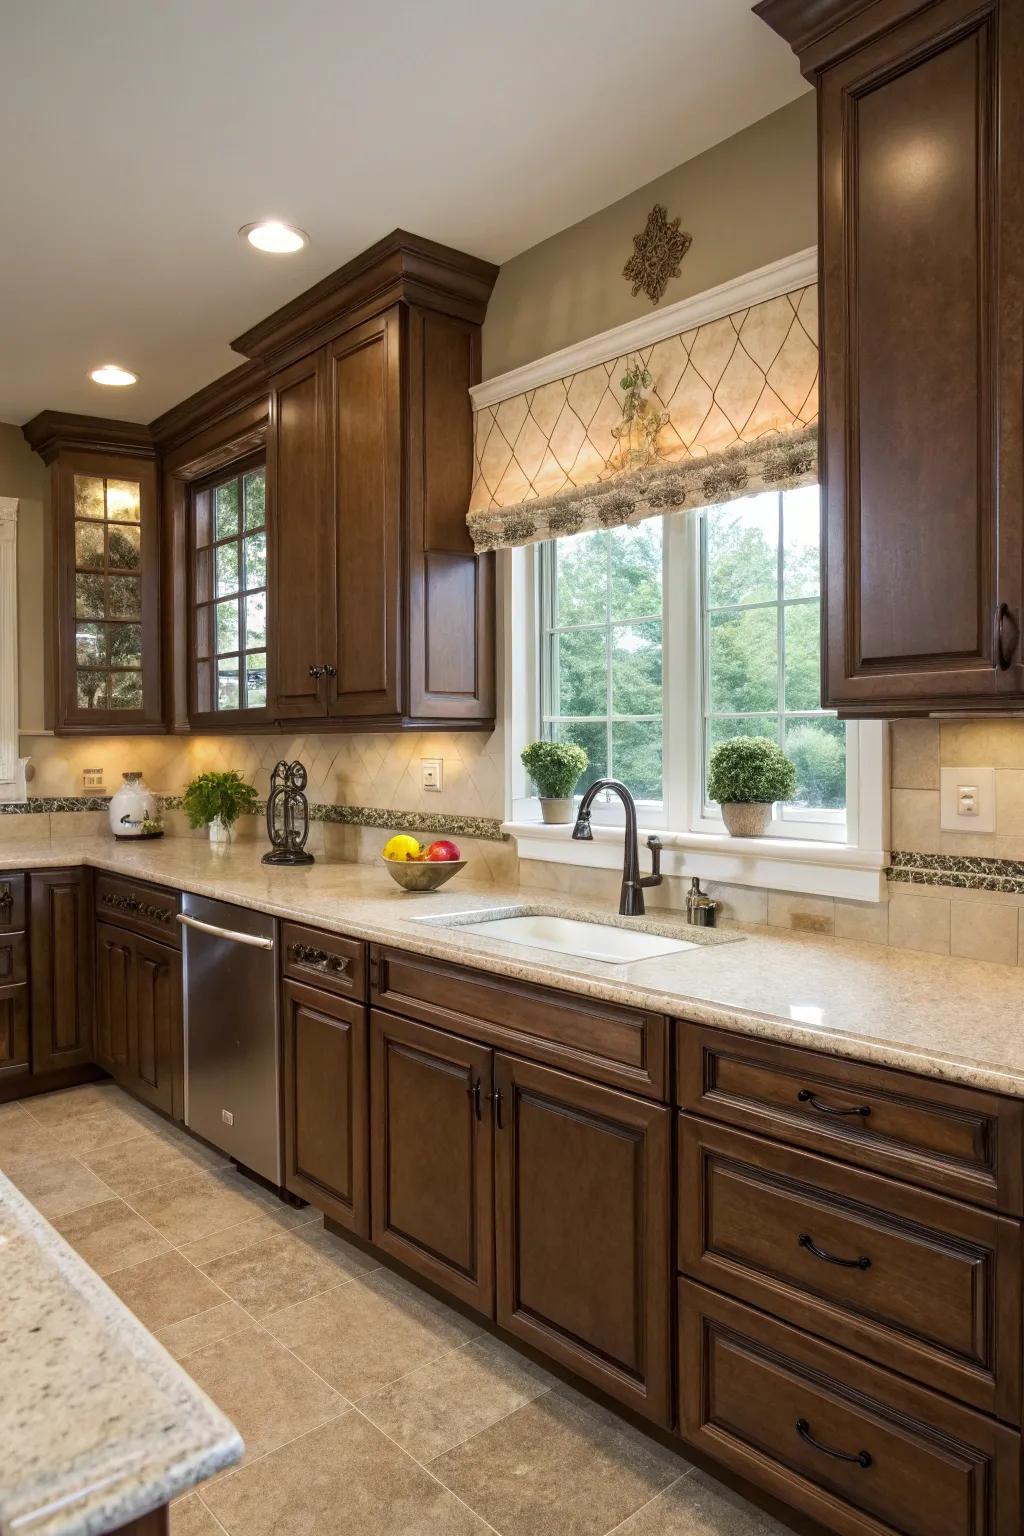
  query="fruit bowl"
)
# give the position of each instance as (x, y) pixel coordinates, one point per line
(422, 874)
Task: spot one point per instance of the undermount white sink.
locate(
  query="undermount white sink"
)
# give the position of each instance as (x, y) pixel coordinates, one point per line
(590, 941)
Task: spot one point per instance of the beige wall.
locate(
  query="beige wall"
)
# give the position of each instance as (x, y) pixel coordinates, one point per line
(23, 474)
(750, 200)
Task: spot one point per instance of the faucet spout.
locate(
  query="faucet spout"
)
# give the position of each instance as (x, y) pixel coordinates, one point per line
(631, 896)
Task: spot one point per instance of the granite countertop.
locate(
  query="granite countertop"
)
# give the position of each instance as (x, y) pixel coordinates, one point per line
(98, 1424)
(944, 1017)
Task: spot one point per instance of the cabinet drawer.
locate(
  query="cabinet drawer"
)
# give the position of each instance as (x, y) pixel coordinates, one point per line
(855, 1447)
(147, 908)
(324, 960)
(12, 902)
(598, 1040)
(13, 959)
(959, 1141)
(912, 1280)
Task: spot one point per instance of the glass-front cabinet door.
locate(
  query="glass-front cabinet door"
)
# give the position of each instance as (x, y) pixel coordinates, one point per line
(107, 595)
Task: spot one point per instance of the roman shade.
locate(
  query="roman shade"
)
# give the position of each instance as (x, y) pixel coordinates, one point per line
(723, 410)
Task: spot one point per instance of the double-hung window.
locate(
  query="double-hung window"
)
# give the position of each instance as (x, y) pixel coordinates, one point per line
(229, 582)
(660, 639)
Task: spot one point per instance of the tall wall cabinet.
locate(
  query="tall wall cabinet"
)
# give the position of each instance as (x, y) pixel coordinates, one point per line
(921, 127)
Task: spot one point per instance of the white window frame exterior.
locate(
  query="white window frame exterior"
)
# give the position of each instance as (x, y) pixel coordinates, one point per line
(12, 767)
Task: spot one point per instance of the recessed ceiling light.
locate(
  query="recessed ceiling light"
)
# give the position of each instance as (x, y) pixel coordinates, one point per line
(273, 236)
(110, 373)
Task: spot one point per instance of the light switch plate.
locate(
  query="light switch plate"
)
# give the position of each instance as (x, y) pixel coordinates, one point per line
(967, 800)
(433, 772)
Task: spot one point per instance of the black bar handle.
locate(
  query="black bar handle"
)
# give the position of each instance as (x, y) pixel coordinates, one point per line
(807, 1097)
(806, 1241)
(1006, 642)
(861, 1458)
(495, 1099)
(474, 1091)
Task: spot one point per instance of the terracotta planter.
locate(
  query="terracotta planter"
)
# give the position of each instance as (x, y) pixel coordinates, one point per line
(557, 810)
(747, 818)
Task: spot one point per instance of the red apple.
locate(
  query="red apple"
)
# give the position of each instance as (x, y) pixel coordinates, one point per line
(443, 852)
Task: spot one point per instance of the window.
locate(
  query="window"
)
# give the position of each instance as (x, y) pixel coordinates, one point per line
(230, 585)
(760, 579)
(661, 639)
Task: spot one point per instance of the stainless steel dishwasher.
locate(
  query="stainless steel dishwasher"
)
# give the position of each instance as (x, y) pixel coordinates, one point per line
(232, 1045)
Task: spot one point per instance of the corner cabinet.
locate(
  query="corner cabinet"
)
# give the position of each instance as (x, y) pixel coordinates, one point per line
(921, 125)
(381, 611)
(61, 949)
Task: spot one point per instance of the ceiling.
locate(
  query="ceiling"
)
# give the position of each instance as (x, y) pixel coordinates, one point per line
(139, 135)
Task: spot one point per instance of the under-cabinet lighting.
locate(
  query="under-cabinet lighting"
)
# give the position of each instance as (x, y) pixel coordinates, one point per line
(112, 373)
(273, 236)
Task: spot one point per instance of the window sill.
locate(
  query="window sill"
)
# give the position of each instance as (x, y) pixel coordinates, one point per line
(778, 863)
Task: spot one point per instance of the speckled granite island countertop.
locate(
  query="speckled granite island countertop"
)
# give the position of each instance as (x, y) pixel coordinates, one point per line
(98, 1424)
(960, 1020)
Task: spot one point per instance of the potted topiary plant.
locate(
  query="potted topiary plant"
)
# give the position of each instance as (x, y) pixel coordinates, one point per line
(217, 800)
(747, 775)
(555, 767)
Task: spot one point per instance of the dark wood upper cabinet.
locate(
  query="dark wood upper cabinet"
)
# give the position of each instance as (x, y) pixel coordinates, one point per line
(61, 947)
(104, 662)
(922, 280)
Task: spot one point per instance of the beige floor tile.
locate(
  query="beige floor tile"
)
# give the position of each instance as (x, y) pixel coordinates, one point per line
(699, 1506)
(363, 1335)
(192, 1333)
(55, 1184)
(165, 1290)
(190, 1517)
(440, 1404)
(190, 1204)
(52, 1109)
(103, 1128)
(267, 1394)
(151, 1158)
(343, 1480)
(276, 1272)
(551, 1469)
(269, 1222)
(110, 1236)
(21, 1136)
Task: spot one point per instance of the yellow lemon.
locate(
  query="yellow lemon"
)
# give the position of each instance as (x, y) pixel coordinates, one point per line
(401, 847)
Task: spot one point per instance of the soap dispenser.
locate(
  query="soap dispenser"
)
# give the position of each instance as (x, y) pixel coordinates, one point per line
(700, 908)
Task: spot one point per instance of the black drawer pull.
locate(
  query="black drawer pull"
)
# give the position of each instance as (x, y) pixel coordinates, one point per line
(807, 1097)
(807, 1241)
(861, 1458)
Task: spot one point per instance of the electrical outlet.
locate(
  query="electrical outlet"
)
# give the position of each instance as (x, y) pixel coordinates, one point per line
(967, 800)
(433, 772)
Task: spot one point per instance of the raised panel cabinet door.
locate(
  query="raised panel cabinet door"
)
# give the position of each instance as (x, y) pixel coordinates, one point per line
(61, 948)
(366, 478)
(14, 1058)
(431, 1152)
(326, 1093)
(115, 987)
(301, 542)
(155, 1024)
(584, 1272)
(922, 272)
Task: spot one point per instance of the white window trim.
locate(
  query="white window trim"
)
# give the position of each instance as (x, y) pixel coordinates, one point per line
(12, 767)
(853, 868)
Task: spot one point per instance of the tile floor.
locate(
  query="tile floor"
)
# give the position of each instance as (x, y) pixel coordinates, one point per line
(367, 1407)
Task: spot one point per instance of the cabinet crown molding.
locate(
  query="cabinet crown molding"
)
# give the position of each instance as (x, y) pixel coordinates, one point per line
(233, 391)
(821, 31)
(54, 432)
(399, 267)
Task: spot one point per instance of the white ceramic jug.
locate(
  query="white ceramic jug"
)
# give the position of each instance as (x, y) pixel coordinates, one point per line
(133, 808)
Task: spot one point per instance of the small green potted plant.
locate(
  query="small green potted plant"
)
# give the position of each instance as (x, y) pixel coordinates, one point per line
(555, 768)
(217, 800)
(747, 775)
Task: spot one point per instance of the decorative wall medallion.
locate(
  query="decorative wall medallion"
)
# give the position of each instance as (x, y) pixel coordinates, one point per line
(658, 251)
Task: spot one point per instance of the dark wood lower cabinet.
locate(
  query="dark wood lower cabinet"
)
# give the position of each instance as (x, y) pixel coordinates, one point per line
(863, 1451)
(582, 1199)
(326, 1138)
(431, 1155)
(139, 1016)
(14, 1029)
(61, 937)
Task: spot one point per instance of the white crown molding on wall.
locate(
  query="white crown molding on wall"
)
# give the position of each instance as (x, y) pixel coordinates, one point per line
(756, 287)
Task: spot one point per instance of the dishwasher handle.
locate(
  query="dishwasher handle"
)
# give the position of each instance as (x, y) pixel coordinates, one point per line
(251, 939)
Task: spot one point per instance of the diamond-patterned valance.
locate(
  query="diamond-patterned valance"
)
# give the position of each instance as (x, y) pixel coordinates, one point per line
(724, 410)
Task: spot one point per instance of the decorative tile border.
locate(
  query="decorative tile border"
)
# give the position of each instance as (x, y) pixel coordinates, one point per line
(962, 871)
(438, 824)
